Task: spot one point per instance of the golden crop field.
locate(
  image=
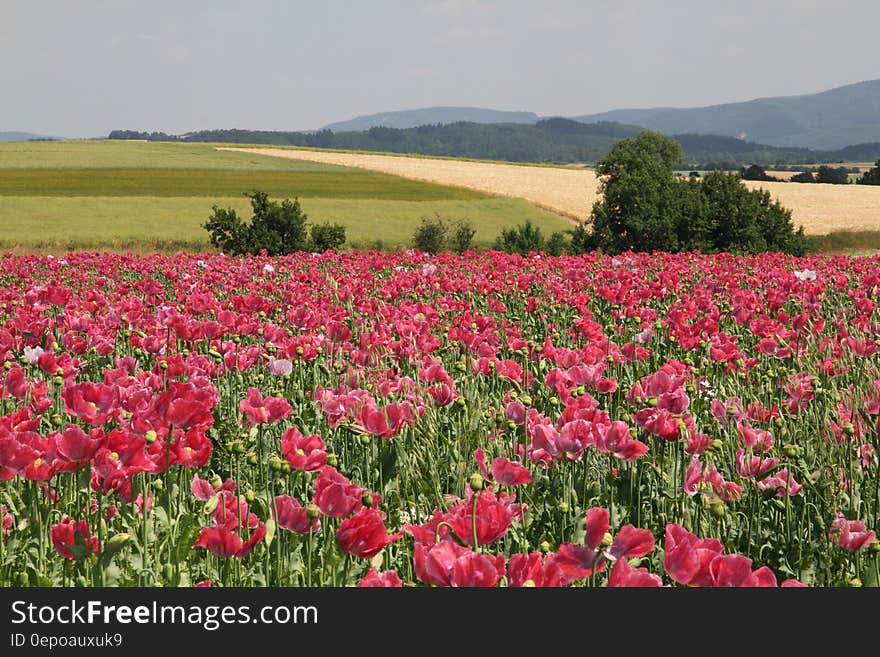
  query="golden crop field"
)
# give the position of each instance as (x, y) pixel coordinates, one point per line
(819, 208)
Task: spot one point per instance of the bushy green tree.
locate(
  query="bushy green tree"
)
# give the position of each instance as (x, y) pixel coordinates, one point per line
(803, 177)
(872, 176)
(640, 195)
(463, 236)
(646, 207)
(832, 175)
(325, 237)
(527, 237)
(276, 228)
(430, 235)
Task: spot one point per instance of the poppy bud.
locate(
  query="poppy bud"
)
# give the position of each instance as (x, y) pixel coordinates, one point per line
(312, 511)
(58, 381)
(56, 420)
(461, 402)
(275, 463)
(717, 443)
(563, 507)
(544, 546)
(163, 365)
(250, 495)
(216, 481)
(158, 484)
(365, 438)
(526, 399)
(791, 450)
(652, 401)
(251, 458)
(476, 481)
(849, 429)
(367, 499)
(211, 504)
(116, 543)
(717, 509)
(856, 583)
(151, 436)
(874, 546)
(7, 365)
(607, 539)
(332, 459)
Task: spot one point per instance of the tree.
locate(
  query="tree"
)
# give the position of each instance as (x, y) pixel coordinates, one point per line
(872, 176)
(277, 229)
(640, 202)
(755, 172)
(430, 235)
(646, 207)
(527, 237)
(326, 237)
(463, 236)
(832, 175)
(803, 177)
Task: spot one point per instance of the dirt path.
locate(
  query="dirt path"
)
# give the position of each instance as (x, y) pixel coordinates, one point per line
(571, 192)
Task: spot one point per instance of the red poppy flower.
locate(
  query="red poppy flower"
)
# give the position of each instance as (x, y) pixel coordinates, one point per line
(624, 575)
(388, 579)
(260, 410)
(631, 542)
(364, 534)
(93, 403)
(307, 453)
(192, 449)
(63, 535)
(850, 534)
(226, 543)
(448, 564)
(292, 516)
(532, 570)
(687, 559)
(335, 495)
(76, 445)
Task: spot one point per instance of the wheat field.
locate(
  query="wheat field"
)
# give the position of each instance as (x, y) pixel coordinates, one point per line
(819, 208)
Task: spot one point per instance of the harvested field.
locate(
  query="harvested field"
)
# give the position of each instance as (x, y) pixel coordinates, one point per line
(570, 192)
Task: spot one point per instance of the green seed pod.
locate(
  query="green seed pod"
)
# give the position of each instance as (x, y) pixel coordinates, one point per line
(717, 509)
(211, 504)
(250, 495)
(791, 450)
(116, 543)
(312, 511)
(476, 481)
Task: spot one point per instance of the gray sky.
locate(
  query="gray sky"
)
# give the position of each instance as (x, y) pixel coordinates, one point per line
(81, 68)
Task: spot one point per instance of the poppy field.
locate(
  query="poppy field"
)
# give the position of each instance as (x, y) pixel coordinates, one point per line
(411, 420)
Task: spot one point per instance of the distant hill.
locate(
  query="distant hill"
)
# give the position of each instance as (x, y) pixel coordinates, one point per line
(552, 141)
(21, 136)
(431, 116)
(828, 120)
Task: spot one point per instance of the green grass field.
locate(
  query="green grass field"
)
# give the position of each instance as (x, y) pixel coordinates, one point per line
(150, 196)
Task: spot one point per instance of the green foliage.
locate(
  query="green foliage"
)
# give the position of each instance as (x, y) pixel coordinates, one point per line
(872, 176)
(430, 235)
(755, 172)
(803, 177)
(325, 237)
(463, 236)
(527, 238)
(832, 175)
(640, 204)
(646, 207)
(433, 235)
(277, 229)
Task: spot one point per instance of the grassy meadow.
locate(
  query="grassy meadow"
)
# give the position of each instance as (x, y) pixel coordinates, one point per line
(148, 196)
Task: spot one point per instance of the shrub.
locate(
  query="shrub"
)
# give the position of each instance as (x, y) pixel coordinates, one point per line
(279, 229)
(326, 237)
(833, 175)
(430, 235)
(463, 236)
